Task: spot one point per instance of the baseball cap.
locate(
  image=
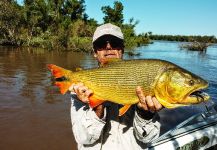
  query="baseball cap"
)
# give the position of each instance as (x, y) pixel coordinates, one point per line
(107, 29)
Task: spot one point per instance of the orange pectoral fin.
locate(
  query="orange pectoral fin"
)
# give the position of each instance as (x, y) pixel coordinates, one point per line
(64, 86)
(56, 71)
(123, 109)
(93, 101)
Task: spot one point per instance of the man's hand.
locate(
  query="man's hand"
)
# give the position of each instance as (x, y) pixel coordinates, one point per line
(147, 103)
(83, 94)
(82, 91)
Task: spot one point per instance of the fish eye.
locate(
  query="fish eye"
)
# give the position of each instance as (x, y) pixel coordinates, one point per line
(191, 82)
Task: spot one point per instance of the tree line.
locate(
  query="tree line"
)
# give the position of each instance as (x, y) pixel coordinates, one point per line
(64, 24)
(182, 38)
(58, 24)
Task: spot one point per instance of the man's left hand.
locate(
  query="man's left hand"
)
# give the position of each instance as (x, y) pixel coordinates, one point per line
(147, 103)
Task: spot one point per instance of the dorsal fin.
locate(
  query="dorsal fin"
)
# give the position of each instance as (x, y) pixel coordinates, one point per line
(109, 61)
(78, 69)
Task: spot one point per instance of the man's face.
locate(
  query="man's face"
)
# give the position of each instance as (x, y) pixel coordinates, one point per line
(108, 47)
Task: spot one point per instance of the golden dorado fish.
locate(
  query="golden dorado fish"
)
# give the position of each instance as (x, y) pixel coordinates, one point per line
(172, 85)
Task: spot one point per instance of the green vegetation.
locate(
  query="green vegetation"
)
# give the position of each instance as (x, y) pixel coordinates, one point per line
(195, 43)
(64, 25)
(59, 24)
(195, 46)
(181, 38)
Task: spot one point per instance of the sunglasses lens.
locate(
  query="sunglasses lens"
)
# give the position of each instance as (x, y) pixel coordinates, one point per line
(115, 44)
(102, 44)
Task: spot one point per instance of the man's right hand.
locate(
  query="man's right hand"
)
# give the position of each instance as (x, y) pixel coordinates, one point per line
(83, 94)
(82, 91)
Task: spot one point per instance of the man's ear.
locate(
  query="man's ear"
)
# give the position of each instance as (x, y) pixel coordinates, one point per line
(94, 53)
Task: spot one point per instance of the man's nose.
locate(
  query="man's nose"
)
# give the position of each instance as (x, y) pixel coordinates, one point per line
(108, 46)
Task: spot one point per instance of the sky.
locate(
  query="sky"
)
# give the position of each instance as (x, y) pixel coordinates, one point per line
(168, 17)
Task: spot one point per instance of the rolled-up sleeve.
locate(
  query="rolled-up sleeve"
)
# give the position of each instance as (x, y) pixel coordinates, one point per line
(146, 130)
(86, 125)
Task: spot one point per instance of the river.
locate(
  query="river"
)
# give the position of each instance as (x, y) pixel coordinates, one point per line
(35, 116)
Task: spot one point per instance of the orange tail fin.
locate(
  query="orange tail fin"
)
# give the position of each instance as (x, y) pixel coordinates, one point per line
(58, 72)
(64, 86)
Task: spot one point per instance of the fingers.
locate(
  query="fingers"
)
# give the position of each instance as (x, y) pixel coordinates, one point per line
(142, 100)
(157, 104)
(82, 91)
(150, 103)
(71, 88)
(147, 103)
(77, 88)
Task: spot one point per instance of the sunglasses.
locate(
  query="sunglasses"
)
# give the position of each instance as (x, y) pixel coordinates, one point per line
(115, 43)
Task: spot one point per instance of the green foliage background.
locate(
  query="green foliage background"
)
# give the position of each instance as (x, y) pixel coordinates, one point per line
(64, 25)
(58, 24)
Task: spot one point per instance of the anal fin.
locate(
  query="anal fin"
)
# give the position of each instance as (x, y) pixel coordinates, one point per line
(123, 109)
(93, 101)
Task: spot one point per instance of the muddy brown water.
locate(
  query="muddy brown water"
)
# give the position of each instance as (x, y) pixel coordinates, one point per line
(34, 116)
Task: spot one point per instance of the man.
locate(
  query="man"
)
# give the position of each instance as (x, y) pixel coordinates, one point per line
(101, 127)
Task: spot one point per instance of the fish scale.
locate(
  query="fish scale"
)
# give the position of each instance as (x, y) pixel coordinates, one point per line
(121, 78)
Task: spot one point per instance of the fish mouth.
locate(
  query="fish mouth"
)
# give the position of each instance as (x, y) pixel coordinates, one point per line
(198, 96)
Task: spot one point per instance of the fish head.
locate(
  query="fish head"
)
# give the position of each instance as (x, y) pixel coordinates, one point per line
(180, 87)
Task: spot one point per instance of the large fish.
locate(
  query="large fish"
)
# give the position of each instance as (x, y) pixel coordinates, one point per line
(172, 85)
